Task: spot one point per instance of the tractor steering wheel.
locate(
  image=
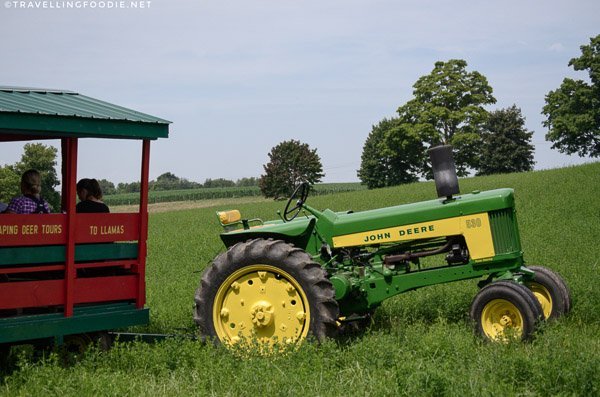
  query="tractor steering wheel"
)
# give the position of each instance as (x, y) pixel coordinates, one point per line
(300, 193)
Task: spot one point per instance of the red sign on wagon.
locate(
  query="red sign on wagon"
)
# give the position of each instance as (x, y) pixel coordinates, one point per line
(38, 229)
(50, 229)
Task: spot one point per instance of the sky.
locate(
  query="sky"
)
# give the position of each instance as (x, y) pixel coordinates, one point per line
(238, 77)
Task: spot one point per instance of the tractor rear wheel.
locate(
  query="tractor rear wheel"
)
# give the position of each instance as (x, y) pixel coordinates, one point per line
(551, 291)
(505, 310)
(268, 291)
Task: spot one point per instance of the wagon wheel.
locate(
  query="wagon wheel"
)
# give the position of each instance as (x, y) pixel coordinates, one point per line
(551, 291)
(265, 290)
(79, 343)
(505, 310)
(300, 193)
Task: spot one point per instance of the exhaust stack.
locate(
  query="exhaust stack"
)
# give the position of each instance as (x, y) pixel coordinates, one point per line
(444, 171)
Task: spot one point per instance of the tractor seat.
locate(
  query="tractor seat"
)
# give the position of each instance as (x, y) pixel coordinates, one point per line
(232, 219)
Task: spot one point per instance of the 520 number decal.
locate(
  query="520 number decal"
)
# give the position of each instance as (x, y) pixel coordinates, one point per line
(473, 223)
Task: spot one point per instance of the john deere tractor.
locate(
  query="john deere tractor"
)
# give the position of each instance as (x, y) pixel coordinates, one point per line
(313, 272)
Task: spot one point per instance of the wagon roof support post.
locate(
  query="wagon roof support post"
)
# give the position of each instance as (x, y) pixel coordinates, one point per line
(142, 244)
(63, 172)
(70, 181)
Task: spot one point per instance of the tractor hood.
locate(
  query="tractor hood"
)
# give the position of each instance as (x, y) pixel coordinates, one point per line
(423, 211)
(329, 224)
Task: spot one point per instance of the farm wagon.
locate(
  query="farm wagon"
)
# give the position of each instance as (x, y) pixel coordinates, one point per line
(65, 273)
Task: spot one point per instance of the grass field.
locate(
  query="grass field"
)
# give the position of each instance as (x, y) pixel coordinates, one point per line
(167, 196)
(420, 344)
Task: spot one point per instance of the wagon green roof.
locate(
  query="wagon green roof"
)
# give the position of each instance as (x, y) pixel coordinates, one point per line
(37, 113)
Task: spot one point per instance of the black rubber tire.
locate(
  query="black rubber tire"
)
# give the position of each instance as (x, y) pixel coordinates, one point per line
(294, 261)
(518, 295)
(556, 286)
(79, 343)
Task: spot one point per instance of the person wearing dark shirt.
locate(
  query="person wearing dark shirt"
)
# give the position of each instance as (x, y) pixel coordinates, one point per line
(90, 196)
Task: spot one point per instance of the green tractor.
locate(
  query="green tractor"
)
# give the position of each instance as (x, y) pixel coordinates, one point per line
(285, 280)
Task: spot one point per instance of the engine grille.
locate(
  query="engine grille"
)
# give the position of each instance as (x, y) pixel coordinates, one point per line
(504, 231)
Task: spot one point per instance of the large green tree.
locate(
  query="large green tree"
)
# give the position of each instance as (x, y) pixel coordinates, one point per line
(506, 143)
(448, 108)
(9, 183)
(166, 181)
(573, 109)
(290, 163)
(392, 155)
(107, 187)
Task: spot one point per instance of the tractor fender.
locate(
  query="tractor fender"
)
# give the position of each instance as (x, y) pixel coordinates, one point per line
(295, 232)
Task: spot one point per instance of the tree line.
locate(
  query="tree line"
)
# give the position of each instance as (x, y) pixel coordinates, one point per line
(169, 181)
(43, 159)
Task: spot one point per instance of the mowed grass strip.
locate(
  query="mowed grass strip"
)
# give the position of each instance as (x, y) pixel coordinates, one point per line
(421, 343)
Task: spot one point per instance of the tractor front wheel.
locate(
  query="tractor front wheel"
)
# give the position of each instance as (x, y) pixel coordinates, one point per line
(505, 310)
(267, 291)
(551, 291)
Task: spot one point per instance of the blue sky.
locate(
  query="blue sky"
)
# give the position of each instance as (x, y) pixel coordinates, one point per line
(238, 77)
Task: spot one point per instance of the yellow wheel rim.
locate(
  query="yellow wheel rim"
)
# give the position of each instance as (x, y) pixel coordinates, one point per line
(263, 303)
(543, 296)
(501, 320)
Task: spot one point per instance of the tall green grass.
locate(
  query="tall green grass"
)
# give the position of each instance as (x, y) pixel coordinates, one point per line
(420, 344)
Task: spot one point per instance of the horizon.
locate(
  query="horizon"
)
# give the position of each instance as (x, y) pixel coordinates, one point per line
(421, 180)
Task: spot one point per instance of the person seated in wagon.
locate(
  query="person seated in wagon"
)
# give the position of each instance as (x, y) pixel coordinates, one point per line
(90, 196)
(31, 201)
